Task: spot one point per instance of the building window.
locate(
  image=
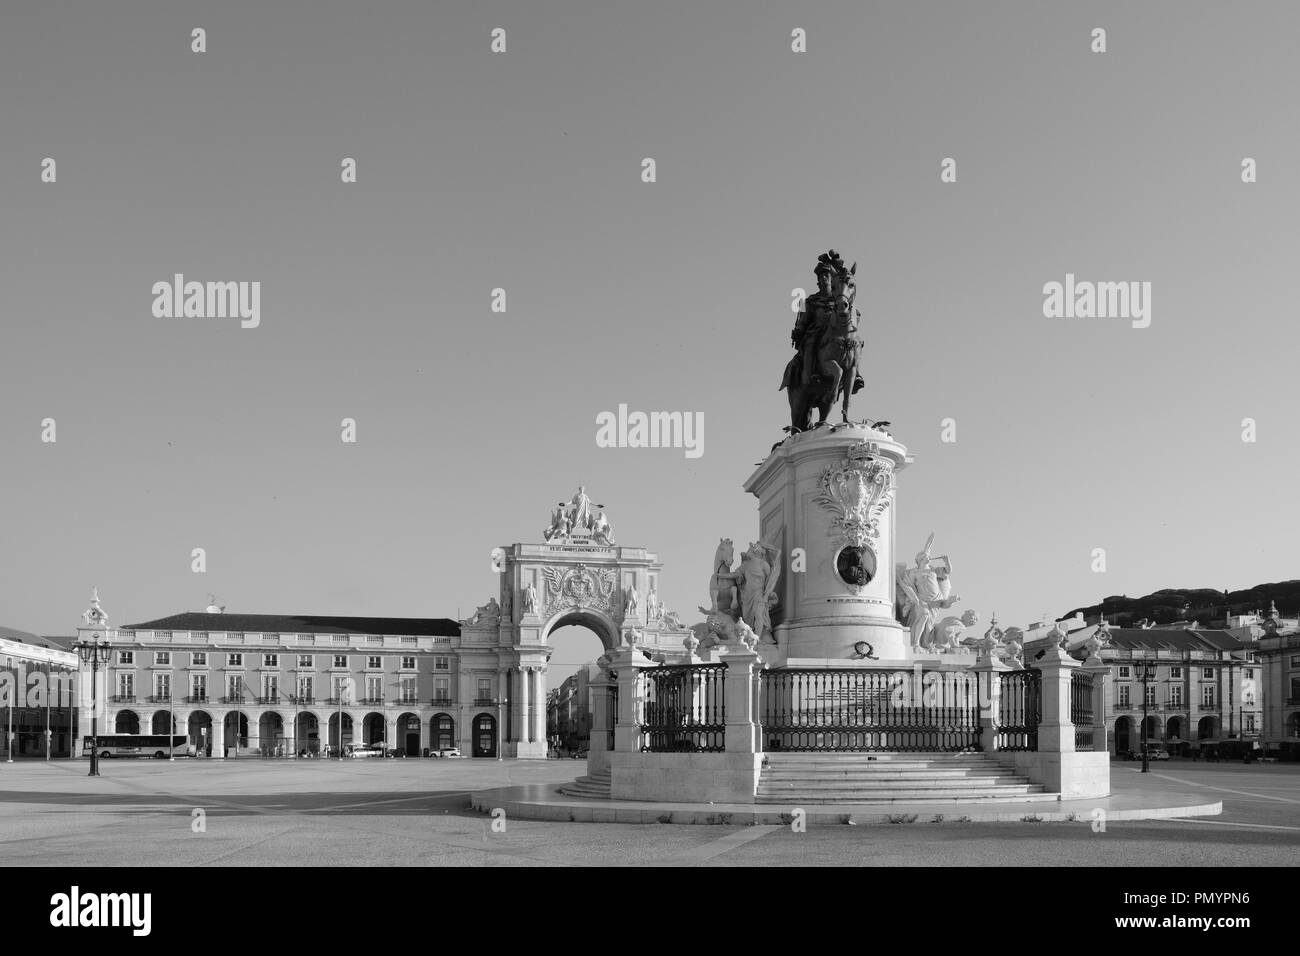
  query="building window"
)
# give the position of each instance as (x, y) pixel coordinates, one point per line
(1295, 662)
(233, 684)
(304, 689)
(373, 660)
(1176, 695)
(126, 657)
(199, 687)
(408, 663)
(126, 685)
(271, 687)
(1250, 723)
(442, 688)
(340, 660)
(484, 688)
(234, 660)
(1295, 691)
(1207, 673)
(408, 690)
(343, 689)
(1121, 694)
(1124, 671)
(162, 686)
(1250, 673)
(440, 663)
(270, 660)
(1175, 673)
(306, 660)
(1150, 695)
(162, 657)
(199, 659)
(1207, 695)
(374, 688)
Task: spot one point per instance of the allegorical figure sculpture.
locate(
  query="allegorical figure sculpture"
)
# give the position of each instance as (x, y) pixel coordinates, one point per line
(530, 599)
(652, 604)
(741, 598)
(560, 526)
(633, 602)
(924, 590)
(601, 532)
(760, 569)
(826, 366)
(580, 510)
(489, 613)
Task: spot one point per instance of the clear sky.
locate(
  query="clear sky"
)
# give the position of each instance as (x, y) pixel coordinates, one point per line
(522, 170)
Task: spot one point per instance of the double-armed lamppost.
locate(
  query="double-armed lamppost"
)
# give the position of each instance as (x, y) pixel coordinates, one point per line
(94, 653)
(1147, 673)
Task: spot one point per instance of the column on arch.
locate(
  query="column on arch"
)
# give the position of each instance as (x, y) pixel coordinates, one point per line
(539, 703)
(524, 724)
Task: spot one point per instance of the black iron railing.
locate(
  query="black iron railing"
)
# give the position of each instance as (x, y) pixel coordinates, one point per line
(869, 710)
(1020, 710)
(1081, 709)
(684, 709)
(440, 702)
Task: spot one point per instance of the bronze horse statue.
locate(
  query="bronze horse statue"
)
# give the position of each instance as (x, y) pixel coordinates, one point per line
(835, 369)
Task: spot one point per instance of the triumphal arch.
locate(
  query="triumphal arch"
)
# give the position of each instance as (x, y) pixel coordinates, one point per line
(578, 574)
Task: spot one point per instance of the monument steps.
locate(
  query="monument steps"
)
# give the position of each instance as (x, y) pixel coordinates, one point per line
(891, 778)
(598, 785)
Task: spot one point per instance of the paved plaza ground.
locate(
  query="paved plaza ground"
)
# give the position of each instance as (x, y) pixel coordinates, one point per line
(415, 812)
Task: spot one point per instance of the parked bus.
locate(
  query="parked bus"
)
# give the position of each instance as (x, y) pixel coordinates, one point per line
(137, 745)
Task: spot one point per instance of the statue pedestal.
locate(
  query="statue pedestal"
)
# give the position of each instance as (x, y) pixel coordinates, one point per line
(830, 494)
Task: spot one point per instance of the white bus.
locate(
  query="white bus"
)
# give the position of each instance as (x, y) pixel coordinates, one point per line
(137, 745)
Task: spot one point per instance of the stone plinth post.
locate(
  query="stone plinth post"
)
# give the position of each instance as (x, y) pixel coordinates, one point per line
(629, 663)
(600, 694)
(738, 696)
(1100, 671)
(988, 672)
(1056, 731)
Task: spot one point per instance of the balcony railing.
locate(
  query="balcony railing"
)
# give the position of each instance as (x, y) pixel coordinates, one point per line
(122, 699)
(273, 699)
(440, 702)
(374, 701)
(197, 699)
(160, 698)
(485, 702)
(234, 699)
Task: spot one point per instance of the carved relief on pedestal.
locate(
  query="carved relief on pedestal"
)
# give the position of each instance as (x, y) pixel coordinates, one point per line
(856, 492)
(580, 587)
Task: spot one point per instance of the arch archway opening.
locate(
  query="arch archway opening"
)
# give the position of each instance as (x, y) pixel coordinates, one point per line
(577, 640)
(200, 729)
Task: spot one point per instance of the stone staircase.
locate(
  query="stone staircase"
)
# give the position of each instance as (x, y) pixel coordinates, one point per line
(595, 786)
(886, 778)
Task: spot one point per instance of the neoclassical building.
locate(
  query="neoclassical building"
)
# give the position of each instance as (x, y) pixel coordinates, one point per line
(1206, 685)
(278, 684)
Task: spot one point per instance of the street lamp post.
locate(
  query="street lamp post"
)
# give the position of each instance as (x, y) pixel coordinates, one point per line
(95, 654)
(1148, 672)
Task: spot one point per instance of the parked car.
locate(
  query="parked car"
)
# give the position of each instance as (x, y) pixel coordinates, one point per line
(449, 752)
(365, 750)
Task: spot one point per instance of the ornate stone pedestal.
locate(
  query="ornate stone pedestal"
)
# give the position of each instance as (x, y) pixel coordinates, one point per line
(825, 498)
